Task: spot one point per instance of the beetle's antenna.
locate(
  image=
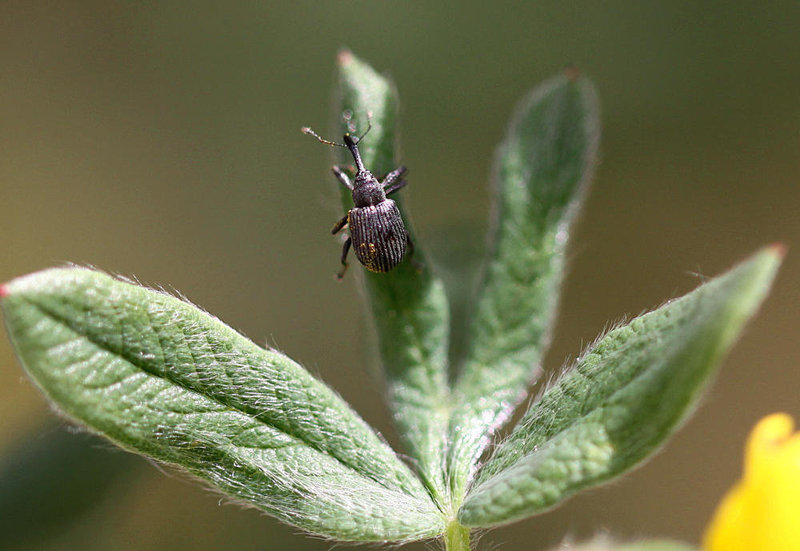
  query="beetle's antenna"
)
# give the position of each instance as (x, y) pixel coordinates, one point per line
(349, 142)
(307, 130)
(352, 144)
(369, 127)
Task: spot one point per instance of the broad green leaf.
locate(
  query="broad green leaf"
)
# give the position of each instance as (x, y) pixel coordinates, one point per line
(543, 169)
(162, 378)
(621, 401)
(408, 304)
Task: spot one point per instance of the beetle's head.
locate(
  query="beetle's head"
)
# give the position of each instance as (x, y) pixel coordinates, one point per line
(367, 190)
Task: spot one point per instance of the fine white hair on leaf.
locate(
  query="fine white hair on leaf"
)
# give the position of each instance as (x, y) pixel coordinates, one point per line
(159, 376)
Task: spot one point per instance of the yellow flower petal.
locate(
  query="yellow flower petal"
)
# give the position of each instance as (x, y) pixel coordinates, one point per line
(762, 512)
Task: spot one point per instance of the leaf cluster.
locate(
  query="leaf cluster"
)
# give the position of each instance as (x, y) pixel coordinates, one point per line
(162, 378)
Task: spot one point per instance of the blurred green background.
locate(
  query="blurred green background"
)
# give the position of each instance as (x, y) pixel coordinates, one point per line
(161, 140)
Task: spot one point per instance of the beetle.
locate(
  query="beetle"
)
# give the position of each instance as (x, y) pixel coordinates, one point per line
(377, 234)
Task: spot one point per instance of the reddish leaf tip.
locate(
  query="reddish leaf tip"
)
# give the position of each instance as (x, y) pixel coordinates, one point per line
(3, 291)
(344, 57)
(779, 249)
(572, 73)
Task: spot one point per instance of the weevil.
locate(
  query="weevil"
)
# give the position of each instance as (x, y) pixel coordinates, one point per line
(378, 236)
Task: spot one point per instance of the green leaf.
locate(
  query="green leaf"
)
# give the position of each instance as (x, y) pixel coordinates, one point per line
(603, 543)
(656, 545)
(162, 378)
(408, 304)
(543, 169)
(621, 401)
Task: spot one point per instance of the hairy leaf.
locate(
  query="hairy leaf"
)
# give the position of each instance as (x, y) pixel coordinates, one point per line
(655, 545)
(408, 304)
(162, 378)
(604, 543)
(621, 401)
(542, 171)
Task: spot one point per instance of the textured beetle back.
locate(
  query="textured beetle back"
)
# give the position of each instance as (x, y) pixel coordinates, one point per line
(379, 236)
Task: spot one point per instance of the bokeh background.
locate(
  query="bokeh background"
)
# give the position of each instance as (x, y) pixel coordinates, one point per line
(161, 140)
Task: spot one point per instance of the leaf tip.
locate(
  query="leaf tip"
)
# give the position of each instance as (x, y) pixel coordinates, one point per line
(344, 57)
(3, 290)
(778, 249)
(572, 73)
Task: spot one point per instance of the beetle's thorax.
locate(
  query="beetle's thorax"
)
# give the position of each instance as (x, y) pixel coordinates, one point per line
(367, 190)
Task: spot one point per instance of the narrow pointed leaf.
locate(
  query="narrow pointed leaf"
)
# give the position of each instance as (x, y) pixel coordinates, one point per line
(408, 304)
(162, 378)
(621, 401)
(542, 171)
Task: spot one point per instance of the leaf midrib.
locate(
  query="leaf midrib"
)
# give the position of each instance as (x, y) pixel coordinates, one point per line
(58, 318)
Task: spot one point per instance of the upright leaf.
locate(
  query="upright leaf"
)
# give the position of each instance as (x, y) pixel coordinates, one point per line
(408, 304)
(543, 168)
(160, 377)
(621, 401)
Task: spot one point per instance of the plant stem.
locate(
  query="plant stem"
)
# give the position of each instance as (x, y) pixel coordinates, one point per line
(456, 537)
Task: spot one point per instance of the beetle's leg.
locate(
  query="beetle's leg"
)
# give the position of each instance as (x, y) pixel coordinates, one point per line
(345, 250)
(339, 225)
(395, 187)
(393, 177)
(342, 177)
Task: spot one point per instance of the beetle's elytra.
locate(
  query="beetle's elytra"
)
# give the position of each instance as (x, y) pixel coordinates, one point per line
(377, 234)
